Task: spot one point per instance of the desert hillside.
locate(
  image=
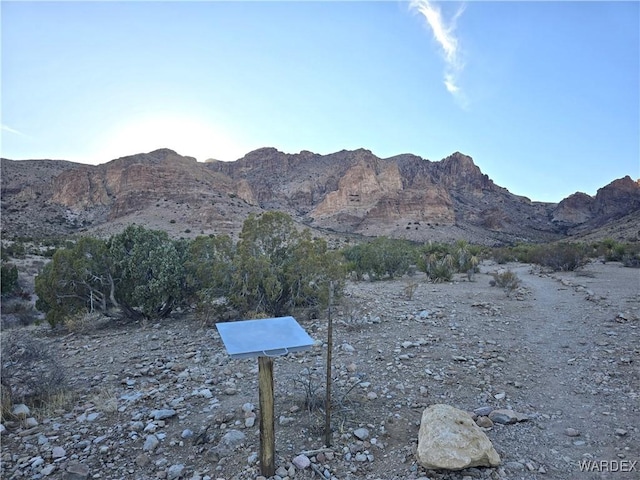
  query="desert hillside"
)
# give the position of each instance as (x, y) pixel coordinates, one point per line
(344, 193)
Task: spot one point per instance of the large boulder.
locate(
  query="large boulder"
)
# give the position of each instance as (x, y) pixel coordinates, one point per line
(450, 439)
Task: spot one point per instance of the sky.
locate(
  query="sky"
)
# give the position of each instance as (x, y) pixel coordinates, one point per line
(544, 96)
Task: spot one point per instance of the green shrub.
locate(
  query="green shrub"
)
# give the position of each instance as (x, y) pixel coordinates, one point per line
(9, 278)
(381, 258)
(559, 256)
(438, 268)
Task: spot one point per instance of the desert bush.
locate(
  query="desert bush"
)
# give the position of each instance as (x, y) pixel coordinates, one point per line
(277, 268)
(18, 311)
(503, 255)
(9, 278)
(381, 258)
(438, 268)
(466, 258)
(31, 373)
(77, 280)
(559, 256)
(507, 280)
(148, 270)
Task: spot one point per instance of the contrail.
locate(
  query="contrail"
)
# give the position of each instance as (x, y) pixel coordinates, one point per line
(6, 128)
(443, 32)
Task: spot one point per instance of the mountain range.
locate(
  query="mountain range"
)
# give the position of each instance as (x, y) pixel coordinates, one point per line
(347, 193)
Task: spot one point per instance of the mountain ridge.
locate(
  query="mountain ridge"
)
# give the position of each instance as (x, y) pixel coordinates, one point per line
(346, 192)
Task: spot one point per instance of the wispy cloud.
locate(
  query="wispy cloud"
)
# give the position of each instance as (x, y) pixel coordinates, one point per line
(7, 128)
(444, 34)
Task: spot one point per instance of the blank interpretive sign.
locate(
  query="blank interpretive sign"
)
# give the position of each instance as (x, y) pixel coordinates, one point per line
(268, 337)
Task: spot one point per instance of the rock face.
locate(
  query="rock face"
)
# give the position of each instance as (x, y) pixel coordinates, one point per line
(581, 212)
(449, 439)
(348, 192)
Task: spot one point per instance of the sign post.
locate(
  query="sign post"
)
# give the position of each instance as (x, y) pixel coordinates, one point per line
(265, 339)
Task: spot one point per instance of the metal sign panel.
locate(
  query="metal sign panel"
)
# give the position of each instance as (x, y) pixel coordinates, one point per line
(268, 337)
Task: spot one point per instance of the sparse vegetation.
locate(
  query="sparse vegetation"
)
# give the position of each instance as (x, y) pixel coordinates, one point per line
(507, 280)
(9, 279)
(30, 371)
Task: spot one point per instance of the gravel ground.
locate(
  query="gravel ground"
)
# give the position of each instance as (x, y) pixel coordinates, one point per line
(165, 400)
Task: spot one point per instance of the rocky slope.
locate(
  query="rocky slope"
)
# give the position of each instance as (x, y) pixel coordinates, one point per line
(347, 192)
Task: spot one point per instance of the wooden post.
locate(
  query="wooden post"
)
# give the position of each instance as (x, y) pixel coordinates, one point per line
(327, 419)
(267, 430)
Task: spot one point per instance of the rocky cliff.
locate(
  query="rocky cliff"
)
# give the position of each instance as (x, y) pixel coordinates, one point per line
(347, 192)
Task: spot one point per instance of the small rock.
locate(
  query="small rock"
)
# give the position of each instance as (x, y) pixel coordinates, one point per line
(92, 417)
(347, 348)
(76, 471)
(361, 433)
(58, 452)
(620, 431)
(162, 413)
(484, 422)
(500, 396)
(20, 410)
(186, 433)
(142, 460)
(248, 407)
(483, 411)
(150, 443)
(249, 422)
(175, 471)
(503, 416)
(286, 420)
(30, 422)
(571, 432)
(233, 438)
(372, 395)
(48, 470)
(301, 462)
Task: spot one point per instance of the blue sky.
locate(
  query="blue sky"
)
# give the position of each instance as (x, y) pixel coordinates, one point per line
(543, 95)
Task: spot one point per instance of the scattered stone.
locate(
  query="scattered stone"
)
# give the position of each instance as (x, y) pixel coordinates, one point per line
(620, 431)
(301, 462)
(142, 460)
(484, 422)
(58, 452)
(449, 439)
(483, 411)
(48, 470)
(20, 411)
(233, 438)
(503, 416)
(30, 422)
(162, 414)
(361, 433)
(285, 420)
(76, 471)
(150, 443)
(571, 432)
(175, 471)
(347, 348)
